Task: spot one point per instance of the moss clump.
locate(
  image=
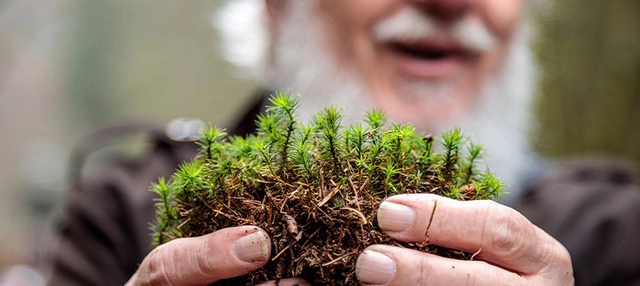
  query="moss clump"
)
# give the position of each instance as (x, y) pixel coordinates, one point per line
(315, 188)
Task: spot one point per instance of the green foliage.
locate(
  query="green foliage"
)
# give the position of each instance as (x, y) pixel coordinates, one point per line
(589, 96)
(310, 161)
(210, 142)
(328, 126)
(278, 124)
(190, 177)
(489, 187)
(451, 141)
(167, 213)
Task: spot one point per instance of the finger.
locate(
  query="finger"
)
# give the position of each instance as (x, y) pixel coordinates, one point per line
(500, 234)
(388, 265)
(226, 253)
(287, 282)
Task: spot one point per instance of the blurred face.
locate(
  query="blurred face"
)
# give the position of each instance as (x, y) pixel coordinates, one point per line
(420, 61)
(433, 63)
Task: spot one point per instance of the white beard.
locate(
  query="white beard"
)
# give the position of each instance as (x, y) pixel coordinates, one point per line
(301, 65)
(499, 119)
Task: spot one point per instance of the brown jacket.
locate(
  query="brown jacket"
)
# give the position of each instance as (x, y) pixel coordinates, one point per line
(593, 208)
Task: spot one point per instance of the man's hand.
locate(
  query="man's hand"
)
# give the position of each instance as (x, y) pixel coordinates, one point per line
(509, 249)
(226, 253)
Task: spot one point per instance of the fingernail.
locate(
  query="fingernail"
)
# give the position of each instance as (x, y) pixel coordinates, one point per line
(374, 268)
(252, 247)
(395, 217)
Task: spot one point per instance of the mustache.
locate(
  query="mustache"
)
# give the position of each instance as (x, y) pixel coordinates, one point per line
(411, 25)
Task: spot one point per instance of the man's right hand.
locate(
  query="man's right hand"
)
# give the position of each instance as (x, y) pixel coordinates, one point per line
(203, 260)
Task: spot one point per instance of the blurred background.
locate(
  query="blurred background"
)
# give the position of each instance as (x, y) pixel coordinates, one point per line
(68, 67)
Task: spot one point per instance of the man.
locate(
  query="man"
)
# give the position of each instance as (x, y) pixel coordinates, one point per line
(435, 63)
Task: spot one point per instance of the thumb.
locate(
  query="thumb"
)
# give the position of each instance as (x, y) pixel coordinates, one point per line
(226, 253)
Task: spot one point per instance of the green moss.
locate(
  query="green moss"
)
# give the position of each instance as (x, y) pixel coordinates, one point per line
(329, 178)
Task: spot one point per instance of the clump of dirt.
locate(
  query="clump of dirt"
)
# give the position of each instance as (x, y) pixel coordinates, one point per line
(315, 188)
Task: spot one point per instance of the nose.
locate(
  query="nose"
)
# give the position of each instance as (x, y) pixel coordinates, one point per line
(445, 9)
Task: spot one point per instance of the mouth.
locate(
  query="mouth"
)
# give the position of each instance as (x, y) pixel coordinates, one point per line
(427, 60)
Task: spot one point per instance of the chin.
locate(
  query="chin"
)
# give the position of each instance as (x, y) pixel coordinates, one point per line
(425, 104)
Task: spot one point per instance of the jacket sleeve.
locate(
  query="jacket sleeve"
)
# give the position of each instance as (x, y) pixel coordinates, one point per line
(593, 209)
(103, 233)
(96, 244)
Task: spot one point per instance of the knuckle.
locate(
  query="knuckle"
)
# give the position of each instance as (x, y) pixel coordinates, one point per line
(564, 259)
(155, 267)
(425, 272)
(558, 262)
(506, 229)
(204, 264)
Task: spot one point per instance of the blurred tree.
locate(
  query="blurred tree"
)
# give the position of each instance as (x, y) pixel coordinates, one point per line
(589, 51)
(91, 46)
(151, 60)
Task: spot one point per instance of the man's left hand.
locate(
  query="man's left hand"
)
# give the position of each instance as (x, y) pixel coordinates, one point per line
(509, 250)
